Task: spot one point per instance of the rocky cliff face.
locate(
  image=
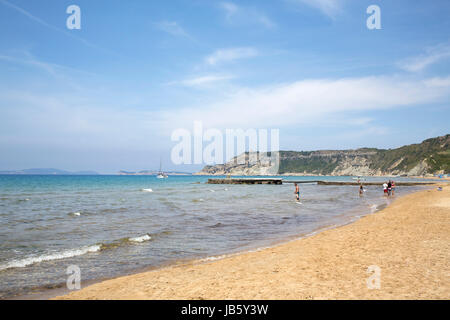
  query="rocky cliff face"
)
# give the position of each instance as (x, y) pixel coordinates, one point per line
(432, 156)
(247, 164)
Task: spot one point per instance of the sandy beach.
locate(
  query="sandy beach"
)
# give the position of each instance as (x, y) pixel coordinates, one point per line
(409, 241)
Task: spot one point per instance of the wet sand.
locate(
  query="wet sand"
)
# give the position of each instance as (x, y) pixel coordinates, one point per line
(409, 241)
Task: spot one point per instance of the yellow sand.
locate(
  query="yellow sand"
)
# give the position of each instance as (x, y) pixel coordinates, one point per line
(409, 241)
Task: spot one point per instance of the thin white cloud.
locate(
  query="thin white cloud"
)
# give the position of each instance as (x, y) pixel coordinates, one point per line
(231, 54)
(235, 14)
(438, 82)
(172, 27)
(28, 14)
(431, 56)
(44, 66)
(314, 102)
(26, 58)
(330, 8)
(202, 81)
(43, 23)
(32, 120)
(229, 8)
(63, 118)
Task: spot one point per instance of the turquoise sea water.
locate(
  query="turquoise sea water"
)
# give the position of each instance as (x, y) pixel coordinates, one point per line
(113, 225)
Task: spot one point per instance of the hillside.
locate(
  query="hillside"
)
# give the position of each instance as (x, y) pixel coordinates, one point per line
(152, 173)
(47, 171)
(432, 156)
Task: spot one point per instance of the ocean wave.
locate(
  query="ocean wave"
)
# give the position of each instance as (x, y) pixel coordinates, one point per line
(124, 241)
(147, 190)
(214, 258)
(49, 257)
(70, 253)
(141, 238)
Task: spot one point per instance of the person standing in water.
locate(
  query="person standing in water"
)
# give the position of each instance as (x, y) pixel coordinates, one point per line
(361, 190)
(389, 188)
(297, 192)
(385, 186)
(393, 187)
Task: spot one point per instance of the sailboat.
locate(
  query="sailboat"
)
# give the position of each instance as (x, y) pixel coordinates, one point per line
(161, 174)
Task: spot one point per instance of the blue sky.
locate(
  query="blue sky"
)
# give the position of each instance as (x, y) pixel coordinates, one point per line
(108, 96)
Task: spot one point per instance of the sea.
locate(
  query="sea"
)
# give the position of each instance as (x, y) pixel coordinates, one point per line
(111, 225)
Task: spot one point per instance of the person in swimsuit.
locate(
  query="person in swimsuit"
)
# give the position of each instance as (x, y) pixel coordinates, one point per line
(361, 190)
(393, 187)
(297, 192)
(389, 188)
(385, 188)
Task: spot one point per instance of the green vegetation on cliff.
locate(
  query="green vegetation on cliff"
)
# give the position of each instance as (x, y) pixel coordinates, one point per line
(430, 156)
(310, 164)
(434, 152)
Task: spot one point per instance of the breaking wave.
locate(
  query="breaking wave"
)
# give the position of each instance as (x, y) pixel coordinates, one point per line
(49, 257)
(70, 253)
(141, 238)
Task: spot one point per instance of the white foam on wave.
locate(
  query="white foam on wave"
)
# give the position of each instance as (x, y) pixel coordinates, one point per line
(214, 258)
(76, 214)
(49, 257)
(147, 190)
(141, 238)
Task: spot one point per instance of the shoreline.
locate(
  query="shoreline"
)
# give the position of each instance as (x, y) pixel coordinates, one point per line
(60, 289)
(196, 279)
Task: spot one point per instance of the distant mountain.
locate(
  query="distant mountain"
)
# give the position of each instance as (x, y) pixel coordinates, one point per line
(48, 171)
(152, 173)
(432, 156)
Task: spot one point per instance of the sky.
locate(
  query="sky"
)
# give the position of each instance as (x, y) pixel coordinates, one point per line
(108, 96)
